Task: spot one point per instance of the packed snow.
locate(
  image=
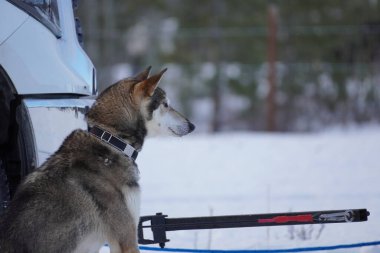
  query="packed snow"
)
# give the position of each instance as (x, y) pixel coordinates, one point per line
(247, 173)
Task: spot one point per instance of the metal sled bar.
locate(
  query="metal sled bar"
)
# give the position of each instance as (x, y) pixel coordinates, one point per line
(160, 224)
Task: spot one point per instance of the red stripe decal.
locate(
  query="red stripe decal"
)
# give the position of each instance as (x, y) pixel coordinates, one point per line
(285, 219)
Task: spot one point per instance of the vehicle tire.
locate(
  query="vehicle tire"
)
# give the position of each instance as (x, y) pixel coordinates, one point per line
(25, 139)
(4, 189)
(19, 160)
(17, 149)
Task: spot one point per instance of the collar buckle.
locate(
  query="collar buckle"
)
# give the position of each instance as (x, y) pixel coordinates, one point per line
(106, 136)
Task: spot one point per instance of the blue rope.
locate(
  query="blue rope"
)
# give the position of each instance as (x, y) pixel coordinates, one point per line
(333, 247)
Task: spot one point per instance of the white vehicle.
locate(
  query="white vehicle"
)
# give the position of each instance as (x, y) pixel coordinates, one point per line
(46, 79)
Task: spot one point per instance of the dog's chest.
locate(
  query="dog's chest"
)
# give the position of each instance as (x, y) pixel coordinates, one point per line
(132, 200)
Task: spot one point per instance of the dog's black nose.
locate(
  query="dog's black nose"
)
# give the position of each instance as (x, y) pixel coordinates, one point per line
(191, 127)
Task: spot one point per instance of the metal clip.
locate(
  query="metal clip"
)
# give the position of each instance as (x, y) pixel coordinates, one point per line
(347, 216)
(106, 139)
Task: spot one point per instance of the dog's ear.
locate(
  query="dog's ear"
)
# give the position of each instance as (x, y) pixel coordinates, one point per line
(143, 75)
(146, 88)
(139, 77)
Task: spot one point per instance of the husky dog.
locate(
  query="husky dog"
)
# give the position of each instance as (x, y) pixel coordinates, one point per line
(87, 193)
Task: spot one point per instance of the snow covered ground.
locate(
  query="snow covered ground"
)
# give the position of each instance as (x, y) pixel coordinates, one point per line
(244, 173)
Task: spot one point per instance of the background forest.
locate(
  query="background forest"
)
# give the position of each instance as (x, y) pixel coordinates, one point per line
(289, 65)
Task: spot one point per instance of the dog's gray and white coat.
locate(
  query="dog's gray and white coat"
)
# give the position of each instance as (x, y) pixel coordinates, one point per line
(87, 193)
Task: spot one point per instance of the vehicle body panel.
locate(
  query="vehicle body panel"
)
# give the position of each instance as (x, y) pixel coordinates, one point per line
(54, 119)
(40, 63)
(11, 18)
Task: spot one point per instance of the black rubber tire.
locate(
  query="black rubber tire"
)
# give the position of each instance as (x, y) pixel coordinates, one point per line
(20, 159)
(26, 143)
(4, 189)
(17, 147)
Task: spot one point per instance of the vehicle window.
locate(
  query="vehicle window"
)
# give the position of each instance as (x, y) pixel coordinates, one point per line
(47, 8)
(45, 11)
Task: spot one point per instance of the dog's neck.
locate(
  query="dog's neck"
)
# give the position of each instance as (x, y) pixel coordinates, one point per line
(134, 134)
(115, 142)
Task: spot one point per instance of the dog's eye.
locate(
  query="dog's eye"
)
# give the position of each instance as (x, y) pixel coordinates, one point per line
(166, 105)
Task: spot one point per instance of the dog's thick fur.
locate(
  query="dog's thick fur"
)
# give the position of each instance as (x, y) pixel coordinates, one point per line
(87, 193)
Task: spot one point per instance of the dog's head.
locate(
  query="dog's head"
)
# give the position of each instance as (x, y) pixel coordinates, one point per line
(138, 104)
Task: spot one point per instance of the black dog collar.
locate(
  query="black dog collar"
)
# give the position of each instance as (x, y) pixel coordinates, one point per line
(114, 141)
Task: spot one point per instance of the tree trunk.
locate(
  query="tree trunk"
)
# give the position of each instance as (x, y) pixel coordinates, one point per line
(272, 54)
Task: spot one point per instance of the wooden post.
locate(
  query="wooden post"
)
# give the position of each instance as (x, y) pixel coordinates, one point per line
(272, 55)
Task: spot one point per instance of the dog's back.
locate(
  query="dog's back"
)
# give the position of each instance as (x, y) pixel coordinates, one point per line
(70, 199)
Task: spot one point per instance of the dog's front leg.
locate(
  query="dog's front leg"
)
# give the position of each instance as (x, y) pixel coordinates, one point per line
(128, 244)
(114, 246)
(122, 247)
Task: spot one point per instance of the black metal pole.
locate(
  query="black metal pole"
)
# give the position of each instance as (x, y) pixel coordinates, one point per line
(160, 224)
